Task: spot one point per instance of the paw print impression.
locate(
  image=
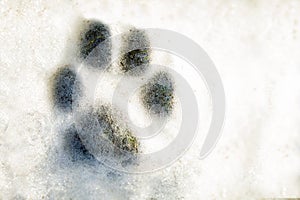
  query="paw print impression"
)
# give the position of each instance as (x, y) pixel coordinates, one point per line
(100, 130)
(66, 89)
(135, 60)
(158, 94)
(95, 34)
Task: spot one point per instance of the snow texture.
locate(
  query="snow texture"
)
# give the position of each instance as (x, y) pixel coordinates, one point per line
(255, 46)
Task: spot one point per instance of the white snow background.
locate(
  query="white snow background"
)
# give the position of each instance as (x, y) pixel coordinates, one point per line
(255, 45)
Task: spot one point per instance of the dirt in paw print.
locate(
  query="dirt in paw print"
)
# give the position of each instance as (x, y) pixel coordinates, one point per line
(135, 60)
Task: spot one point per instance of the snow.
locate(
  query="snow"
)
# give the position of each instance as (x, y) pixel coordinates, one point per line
(255, 46)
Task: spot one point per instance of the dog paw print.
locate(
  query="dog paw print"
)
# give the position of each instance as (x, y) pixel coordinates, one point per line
(101, 130)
